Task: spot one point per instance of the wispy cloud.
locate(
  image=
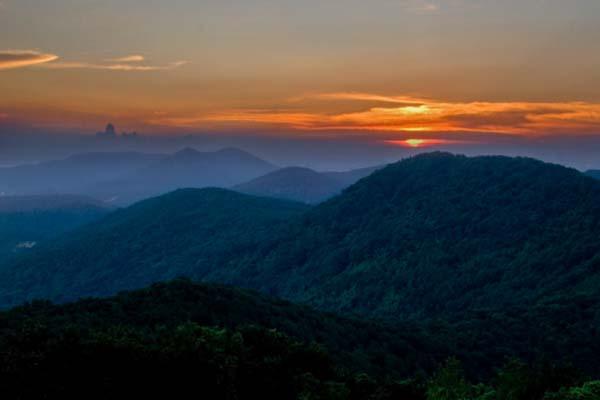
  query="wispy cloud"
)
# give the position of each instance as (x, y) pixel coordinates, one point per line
(23, 58)
(134, 58)
(122, 66)
(421, 6)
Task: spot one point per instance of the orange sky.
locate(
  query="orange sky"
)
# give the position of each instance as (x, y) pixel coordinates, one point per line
(415, 68)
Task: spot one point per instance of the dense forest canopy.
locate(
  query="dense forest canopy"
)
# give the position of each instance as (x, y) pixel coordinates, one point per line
(176, 338)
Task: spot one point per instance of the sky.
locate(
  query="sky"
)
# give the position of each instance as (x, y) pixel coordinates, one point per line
(411, 73)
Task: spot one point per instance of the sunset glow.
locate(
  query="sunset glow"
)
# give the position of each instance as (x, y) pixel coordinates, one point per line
(421, 143)
(398, 67)
(413, 115)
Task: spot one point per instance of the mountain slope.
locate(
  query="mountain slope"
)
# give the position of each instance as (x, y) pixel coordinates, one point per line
(184, 233)
(303, 184)
(439, 234)
(348, 178)
(28, 221)
(167, 305)
(433, 235)
(25, 204)
(293, 183)
(187, 168)
(483, 341)
(594, 173)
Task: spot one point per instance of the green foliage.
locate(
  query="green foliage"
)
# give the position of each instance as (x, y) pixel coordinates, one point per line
(449, 383)
(589, 391)
(37, 226)
(357, 345)
(177, 339)
(184, 233)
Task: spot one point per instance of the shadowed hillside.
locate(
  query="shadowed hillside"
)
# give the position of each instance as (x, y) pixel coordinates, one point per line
(28, 221)
(184, 233)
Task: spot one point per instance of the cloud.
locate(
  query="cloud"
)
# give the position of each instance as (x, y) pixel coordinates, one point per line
(134, 58)
(122, 66)
(23, 58)
(381, 113)
(421, 6)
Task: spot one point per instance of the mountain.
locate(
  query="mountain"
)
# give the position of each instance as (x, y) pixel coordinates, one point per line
(348, 178)
(293, 183)
(171, 341)
(184, 233)
(127, 177)
(75, 174)
(187, 168)
(39, 203)
(594, 173)
(27, 221)
(433, 235)
(436, 235)
(170, 304)
(178, 337)
(302, 184)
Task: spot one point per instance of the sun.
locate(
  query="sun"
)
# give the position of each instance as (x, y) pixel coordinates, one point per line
(415, 142)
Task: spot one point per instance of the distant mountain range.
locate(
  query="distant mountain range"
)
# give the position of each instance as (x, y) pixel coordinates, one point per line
(73, 175)
(187, 168)
(39, 203)
(124, 178)
(302, 184)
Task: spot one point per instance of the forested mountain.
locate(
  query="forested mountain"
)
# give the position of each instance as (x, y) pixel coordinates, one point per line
(189, 232)
(175, 338)
(433, 235)
(28, 221)
(438, 234)
(302, 184)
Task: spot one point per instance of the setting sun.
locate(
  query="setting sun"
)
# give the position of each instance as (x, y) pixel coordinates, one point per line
(415, 142)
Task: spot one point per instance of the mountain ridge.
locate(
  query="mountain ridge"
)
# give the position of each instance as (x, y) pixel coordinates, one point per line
(431, 235)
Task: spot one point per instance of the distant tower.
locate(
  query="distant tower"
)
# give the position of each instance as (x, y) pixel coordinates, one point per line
(109, 132)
